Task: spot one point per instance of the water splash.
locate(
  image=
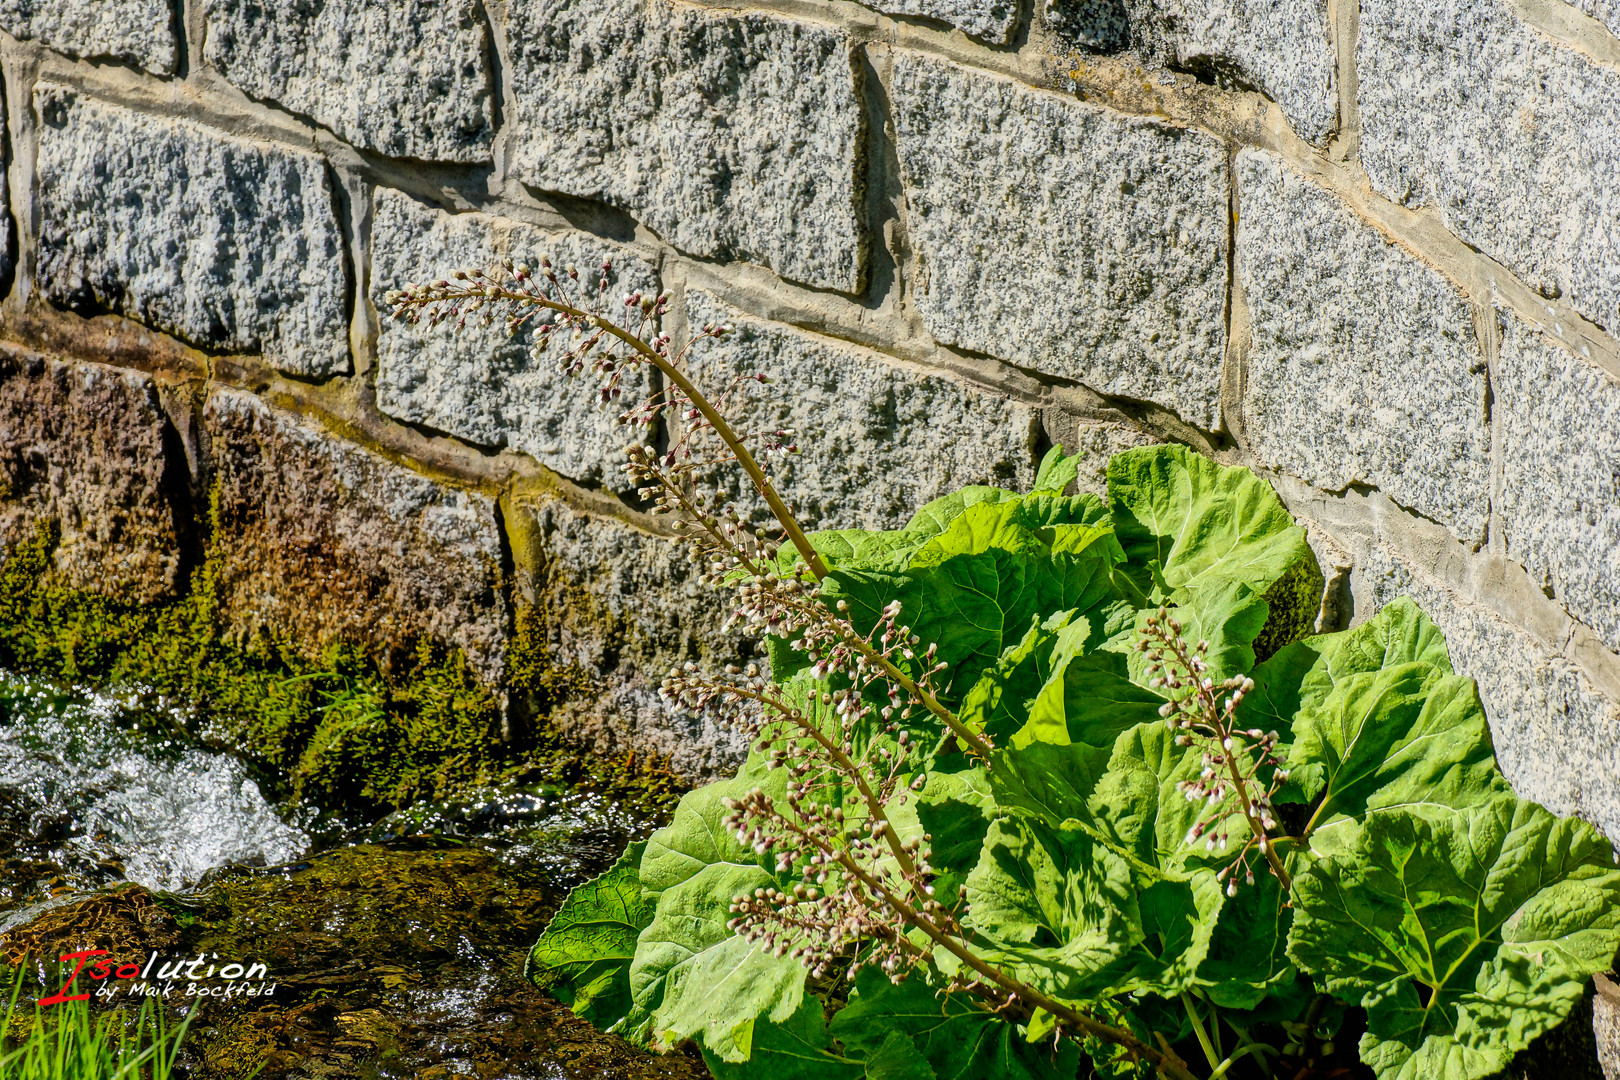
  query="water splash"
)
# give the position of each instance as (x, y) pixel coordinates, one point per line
(96, 784)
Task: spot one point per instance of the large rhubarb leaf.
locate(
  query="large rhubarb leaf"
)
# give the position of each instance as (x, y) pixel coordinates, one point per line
(1304, 673)
(583, 958)
(1188, 524)
(692, 978)
(1066, 913)
(1404, 736)
(1464, 933)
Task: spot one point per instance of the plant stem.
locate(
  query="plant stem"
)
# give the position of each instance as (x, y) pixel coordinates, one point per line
(762, 483)
(874, 806)
(1028, 994)
(1198, 1028)
(1267, 848)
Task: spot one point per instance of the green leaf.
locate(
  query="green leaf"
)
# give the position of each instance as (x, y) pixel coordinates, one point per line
(976, 589)
(1228, 616)
(1058, 470)
(583, 958)
(798, 1048)
(1196, 524)
(955, 809)
(1068, 915)
(873, 549)
(1140, 808)
(1408, 735)
(696, 836)
(1304, 673)
(1465, 933)
(958, 1039)
(1046, 689)
(692, 978)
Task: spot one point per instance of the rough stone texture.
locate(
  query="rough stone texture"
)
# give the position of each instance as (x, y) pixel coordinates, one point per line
(481, 383)
(990, 20)
(1364, 367)
(1557, 736)
(877, 440)
(1606, 12)
(8, 228)
(1098, 25)
(139, 32)
(407, 79)
(323, 541)
(1560, 499)
(624, 607)
(228, 244)
(1513, 139)
(90, 448)
(1278, 47)
(1066, 238)
(734, 136)
(1606, 1025)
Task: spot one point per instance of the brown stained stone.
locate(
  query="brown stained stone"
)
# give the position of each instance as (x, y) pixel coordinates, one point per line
(322, 541)
(621, 607)
(90, 448)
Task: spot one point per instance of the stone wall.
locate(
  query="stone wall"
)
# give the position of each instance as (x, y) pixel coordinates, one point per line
(1371, 251)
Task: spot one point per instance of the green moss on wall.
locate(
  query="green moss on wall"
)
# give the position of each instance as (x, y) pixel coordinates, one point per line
(336, 729)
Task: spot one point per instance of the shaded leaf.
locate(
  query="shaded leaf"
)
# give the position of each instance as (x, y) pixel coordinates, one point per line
(1065, 913)
(955, 809)
(1058, 470)
(798, 1048)
(958, 1039)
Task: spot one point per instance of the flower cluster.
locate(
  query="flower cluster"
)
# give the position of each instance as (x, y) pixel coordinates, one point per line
(1204, 712)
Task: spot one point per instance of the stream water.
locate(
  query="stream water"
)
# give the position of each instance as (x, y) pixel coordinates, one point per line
(394, 947)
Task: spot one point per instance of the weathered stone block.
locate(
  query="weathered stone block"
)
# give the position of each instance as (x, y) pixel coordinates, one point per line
(142, 32)
(229, 244)
(1560, 499)
(1278, 47)
(1064, 237)
(1557, 736)
(1364, 367)
(321, 541)
(734, 136)
(990, 20)
(481, 383)
(405, 79)
(1513, 139)
(1099, 25)
(877, 440)
(1606, 1026)
(624, 607)
(89, 447)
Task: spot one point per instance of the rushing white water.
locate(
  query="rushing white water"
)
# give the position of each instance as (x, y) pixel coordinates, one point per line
(80, 778)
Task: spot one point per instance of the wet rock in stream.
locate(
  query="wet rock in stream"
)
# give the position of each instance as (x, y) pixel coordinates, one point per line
(399, 959)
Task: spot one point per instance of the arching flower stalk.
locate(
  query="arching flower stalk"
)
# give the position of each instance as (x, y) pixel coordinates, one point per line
(1204, 713)
(864, 894)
